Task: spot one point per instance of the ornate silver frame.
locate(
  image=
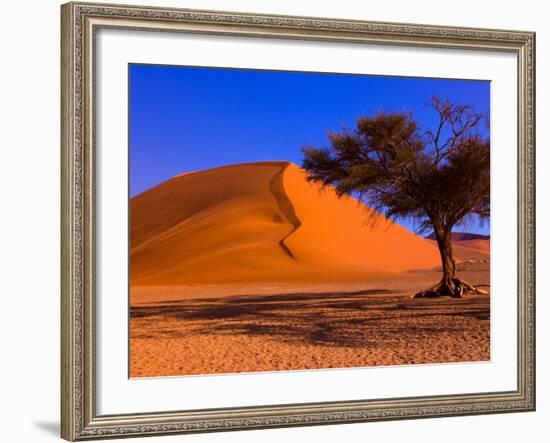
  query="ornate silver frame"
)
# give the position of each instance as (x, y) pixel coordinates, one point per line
(80, 21)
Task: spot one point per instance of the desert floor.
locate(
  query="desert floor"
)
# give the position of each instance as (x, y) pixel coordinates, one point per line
(228, 329)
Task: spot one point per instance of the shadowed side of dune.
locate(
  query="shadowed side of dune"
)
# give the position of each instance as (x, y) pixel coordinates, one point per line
(220, 225)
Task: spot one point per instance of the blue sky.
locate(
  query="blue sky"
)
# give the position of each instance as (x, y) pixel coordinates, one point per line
(186, 118)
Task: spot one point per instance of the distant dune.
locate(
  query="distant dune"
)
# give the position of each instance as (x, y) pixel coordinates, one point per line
(483, 245)
(468, 246)
(262, 222)
(463, 236)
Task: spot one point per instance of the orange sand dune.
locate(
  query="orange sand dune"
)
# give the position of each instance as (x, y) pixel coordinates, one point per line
(464, 252)
(483, 245)
(474, 244)
(261, 222)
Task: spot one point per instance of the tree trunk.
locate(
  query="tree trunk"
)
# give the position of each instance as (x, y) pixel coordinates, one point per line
(445, 245)
(449, 285)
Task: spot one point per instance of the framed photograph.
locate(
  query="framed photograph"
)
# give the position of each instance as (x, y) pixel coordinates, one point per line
(277, 221)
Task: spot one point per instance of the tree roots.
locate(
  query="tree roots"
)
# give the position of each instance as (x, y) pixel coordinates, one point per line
(451, 287)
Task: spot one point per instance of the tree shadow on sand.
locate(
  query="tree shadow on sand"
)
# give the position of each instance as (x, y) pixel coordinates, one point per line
(349, 319)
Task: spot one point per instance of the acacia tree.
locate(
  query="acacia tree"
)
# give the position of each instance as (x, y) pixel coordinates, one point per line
(440, 177)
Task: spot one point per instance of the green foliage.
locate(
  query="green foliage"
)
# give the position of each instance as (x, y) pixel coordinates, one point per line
(440, 176)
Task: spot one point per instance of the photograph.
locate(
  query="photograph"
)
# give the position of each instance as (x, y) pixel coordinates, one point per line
(287, 221)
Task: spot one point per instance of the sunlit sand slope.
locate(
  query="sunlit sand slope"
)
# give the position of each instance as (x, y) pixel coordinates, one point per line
(339, 230)
(261, 222)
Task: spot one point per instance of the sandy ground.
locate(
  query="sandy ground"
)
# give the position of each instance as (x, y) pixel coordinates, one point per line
(228, 329)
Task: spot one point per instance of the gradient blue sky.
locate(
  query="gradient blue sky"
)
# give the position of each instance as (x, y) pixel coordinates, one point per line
(185, 118)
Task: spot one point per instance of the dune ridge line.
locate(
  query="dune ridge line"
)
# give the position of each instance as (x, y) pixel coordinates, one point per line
(285, 206)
